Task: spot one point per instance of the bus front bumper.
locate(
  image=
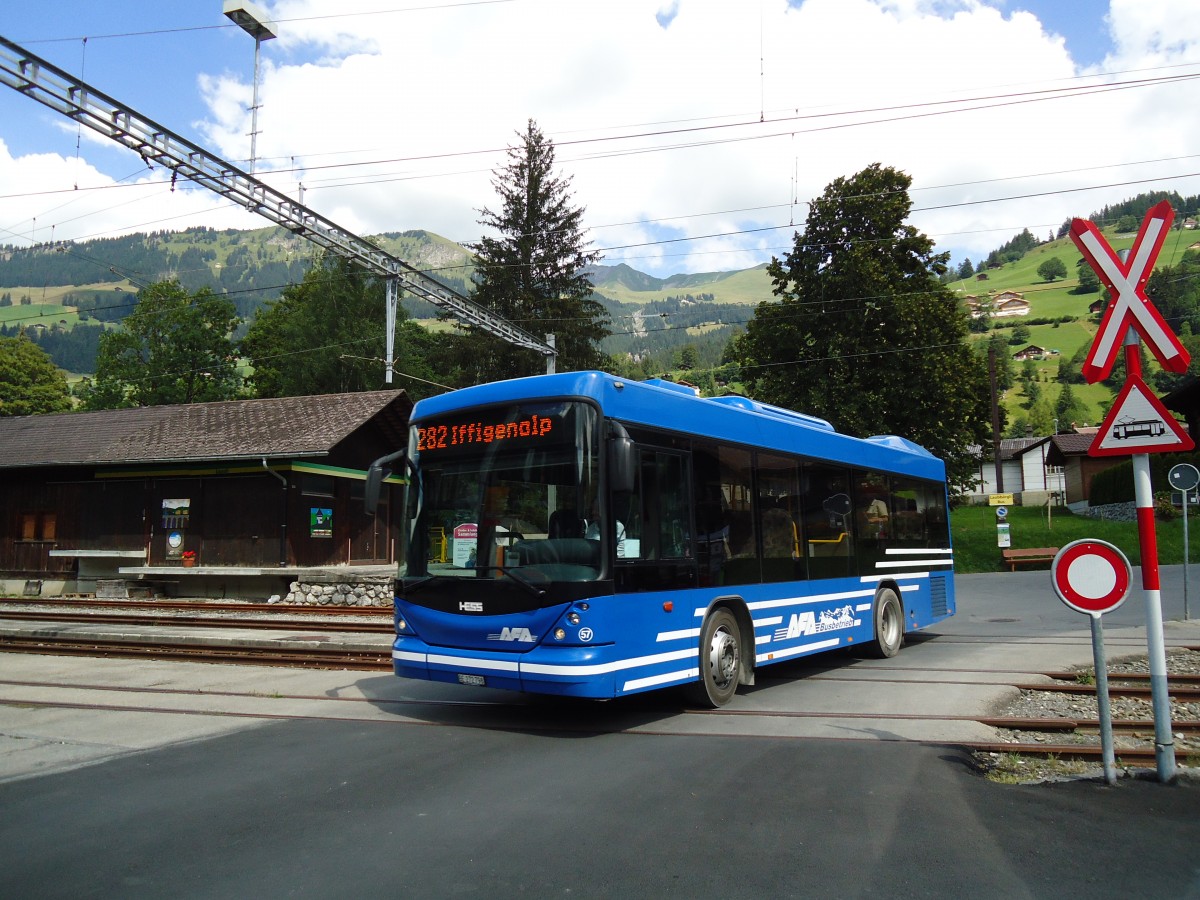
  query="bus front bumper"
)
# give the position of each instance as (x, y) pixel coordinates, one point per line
(569, 671)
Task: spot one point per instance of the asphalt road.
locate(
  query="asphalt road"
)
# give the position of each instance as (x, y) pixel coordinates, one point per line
(123, 779)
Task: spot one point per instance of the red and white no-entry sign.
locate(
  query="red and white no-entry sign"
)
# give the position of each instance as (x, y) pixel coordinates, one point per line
(1091, 576)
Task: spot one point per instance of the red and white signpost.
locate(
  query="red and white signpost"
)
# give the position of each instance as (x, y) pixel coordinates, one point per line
(1138, 424)
(1093, 577)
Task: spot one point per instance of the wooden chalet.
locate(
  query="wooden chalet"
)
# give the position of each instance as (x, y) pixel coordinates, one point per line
(196, 500)
(1009, 303)
(1185, 400)
(1033, 351)
(1070, 453)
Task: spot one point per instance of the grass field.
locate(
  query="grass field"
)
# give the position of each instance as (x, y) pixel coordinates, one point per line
(973, 529)
(1050, 300)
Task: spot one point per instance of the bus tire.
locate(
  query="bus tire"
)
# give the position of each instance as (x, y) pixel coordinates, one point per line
(889, 625)
(720, 660)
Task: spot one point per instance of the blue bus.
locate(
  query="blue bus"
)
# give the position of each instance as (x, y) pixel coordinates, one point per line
(592, 536)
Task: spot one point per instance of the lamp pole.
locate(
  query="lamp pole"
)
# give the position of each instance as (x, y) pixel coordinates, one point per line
(255, 23)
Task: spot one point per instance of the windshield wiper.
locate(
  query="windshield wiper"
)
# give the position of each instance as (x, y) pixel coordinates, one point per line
(409, 585)
(519, 579)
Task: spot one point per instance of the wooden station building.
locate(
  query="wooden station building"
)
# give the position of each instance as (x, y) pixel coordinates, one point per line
(210, 499)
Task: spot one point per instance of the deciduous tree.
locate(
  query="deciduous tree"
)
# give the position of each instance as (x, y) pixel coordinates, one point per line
(174, 347)
(1052, 268)
(30, 384)
(326, 336)
(864, 333)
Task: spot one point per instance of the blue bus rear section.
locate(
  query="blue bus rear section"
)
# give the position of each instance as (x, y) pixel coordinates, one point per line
(633, 619)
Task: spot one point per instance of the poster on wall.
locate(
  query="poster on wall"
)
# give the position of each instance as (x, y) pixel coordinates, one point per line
(176, 513)
(320, 522)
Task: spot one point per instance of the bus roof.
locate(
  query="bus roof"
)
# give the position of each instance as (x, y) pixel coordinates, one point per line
(679, 408)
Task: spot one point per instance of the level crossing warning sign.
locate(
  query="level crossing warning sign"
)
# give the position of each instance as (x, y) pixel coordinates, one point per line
(1130, 306)
(1139, 423)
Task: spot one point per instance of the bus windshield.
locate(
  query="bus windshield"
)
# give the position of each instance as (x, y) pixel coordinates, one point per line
(503, 492)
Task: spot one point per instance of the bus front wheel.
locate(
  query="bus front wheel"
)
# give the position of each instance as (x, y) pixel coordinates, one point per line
(720, 660)
(889, 625)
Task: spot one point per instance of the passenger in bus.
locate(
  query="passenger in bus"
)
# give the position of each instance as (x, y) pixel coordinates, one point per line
(780, 539)
(875, 518)
(592, 532)
(565, 523)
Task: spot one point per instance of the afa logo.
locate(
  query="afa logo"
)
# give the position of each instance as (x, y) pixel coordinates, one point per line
(521, 635)
(809, 623)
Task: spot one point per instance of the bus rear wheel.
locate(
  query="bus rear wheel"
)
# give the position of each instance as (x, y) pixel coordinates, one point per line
(720, 660)
(889, 625)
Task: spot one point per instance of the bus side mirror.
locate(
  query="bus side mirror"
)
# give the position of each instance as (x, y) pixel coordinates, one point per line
(376, 473)
(622, 460)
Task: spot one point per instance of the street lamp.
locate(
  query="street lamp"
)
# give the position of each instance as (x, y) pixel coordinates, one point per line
(254, 22)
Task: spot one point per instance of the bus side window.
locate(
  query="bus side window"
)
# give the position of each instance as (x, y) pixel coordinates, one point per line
(659, 508)
(778, 482)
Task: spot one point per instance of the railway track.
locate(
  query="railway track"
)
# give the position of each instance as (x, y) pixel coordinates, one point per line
(260, 655)
(195, 606)
(381, 627)
(295, 653)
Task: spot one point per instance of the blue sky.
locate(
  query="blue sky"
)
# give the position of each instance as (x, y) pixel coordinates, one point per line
(694, 130)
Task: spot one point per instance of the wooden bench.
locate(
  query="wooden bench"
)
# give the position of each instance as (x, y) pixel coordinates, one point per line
(1026, 555)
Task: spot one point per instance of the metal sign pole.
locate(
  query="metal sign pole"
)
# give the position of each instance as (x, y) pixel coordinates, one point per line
(1093, 577)
(1186, 612)
(1184, 477)
(1105, 710)
(1164, 742)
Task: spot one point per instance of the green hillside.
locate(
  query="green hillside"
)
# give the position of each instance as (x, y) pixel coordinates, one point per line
(656, 322)
(1057, 300)
(625, 285)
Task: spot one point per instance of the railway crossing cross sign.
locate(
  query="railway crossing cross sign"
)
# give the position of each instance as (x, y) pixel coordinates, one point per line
(1127, 283)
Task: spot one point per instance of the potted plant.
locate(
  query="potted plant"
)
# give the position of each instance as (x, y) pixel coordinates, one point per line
(189, 558)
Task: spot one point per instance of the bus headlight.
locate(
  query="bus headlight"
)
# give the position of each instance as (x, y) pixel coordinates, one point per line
(560, 634)
(401, 625)
(573, 618)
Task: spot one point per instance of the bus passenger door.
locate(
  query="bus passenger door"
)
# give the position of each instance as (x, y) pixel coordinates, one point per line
(656, 513)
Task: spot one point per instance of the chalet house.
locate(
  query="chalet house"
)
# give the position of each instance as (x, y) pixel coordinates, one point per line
(1185, 400)
(1070, 452)
(208, 499)
(1031, 352)
(1009, 303)
(1024, 470)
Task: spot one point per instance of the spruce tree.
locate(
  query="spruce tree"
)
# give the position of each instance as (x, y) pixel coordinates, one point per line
(532, 269)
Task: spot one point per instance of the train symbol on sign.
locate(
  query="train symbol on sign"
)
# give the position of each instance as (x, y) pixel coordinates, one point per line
(1123, 431)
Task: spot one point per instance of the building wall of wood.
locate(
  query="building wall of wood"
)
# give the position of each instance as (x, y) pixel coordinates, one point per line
(245, 519)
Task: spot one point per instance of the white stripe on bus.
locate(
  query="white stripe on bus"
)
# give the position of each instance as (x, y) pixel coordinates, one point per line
(666, 678)
(796, 651)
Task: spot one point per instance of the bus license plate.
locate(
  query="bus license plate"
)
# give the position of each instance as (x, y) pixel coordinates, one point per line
(477, 680)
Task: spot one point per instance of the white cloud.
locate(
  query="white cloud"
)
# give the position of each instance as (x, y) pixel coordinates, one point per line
(423, 95)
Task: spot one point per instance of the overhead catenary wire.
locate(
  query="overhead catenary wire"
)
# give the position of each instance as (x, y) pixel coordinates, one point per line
(750, 231)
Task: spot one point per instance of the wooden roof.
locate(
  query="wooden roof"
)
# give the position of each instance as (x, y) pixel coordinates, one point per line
(1063, 446)
(287, 427)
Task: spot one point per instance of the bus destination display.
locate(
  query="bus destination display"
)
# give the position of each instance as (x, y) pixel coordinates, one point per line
(460, 435)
